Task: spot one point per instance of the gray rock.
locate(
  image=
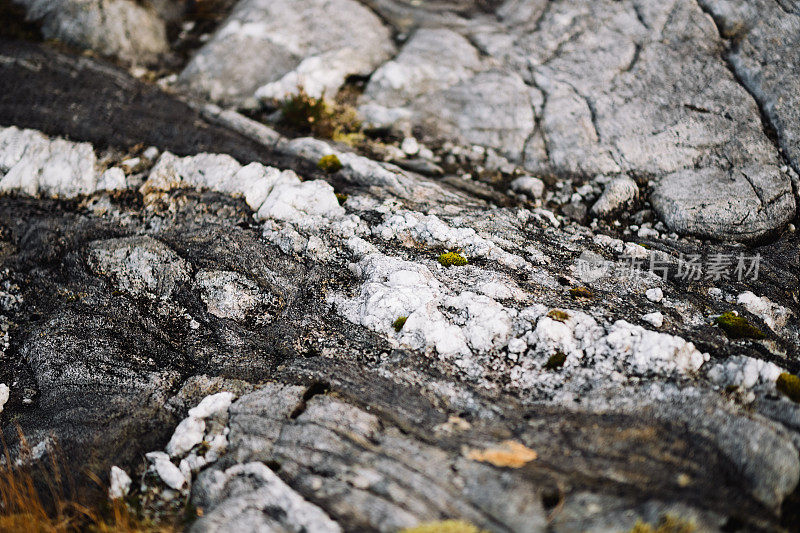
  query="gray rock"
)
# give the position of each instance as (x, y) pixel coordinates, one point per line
(765, 54)
(492, 109)
(743, 203)
(250, 498)
(649, 94)
(532, 187)
(228, 294)
(617, 193)
(107, 337)
(141, 266)
(431, 60)
(119, 28)
(375, 476)
(313, 43)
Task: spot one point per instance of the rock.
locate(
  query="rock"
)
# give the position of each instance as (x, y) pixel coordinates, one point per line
(655, 294)
(170, 474)
(491, 109)
(212, 405)
(618, 193)
(745, 204)
(656, 319)
(119, 483)
(773, 315)
(228, 294)
(141, 266)
(280, 44)
(105, 325)
(250, 497)
(4, 394)
(188, 434)
(766, 38)
(410, 146)
(36, 165)
(528, 185)
(432, 60)
(119, 28)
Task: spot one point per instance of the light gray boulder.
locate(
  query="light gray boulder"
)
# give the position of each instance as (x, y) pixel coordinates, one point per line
(765, 55)
(118, 28)
(279, 45)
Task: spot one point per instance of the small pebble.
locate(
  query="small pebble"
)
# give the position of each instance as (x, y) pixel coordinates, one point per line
(654, 295)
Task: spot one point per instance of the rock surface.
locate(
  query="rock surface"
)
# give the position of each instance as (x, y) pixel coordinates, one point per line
(370, 349)
(280, 45)
(120, 28)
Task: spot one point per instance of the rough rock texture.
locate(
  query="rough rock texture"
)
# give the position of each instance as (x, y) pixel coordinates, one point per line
(279, 45)
(120, 28)
(763, 53)
(290, 349)
(649, 95)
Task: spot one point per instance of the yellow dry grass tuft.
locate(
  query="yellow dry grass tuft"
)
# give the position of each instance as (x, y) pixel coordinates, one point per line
(43, 499)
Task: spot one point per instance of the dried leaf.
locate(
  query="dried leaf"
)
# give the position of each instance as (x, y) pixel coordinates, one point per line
(510, 453)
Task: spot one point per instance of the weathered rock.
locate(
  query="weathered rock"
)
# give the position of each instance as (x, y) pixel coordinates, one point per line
(125, 317)
(141, 266)
(744, 203)
(649, 95)
(617, 193)
(430, 61)
(119, 28)
(33, 164)
(764, 53)
(288, 43)
(250, 497)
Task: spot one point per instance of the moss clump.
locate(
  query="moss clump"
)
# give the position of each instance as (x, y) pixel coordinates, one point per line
(329, 164)
(581, 292)
(668, 524)
(556, 361)
(558, 314)
(737, 327)
(449, 259)
(399, 323)
(789, 385)
(444, 526)
(342, 198)
(325, 119)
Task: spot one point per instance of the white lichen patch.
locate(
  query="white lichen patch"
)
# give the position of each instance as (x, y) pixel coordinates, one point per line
(140, 265)
(229, 294)
(745, 372)
(411, 228)
(216, 172)
(34, 164)
(775, 316)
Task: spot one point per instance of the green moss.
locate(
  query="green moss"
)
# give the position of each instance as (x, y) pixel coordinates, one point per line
(789, 385)
(668, 524)
(556, 361)
(399, 323)
(737, 327)
(558, 314)
(443, 526)
(325, 119)
(581, 292)
(303, 112)
(449, 259)
(342, 198)
(329, 164)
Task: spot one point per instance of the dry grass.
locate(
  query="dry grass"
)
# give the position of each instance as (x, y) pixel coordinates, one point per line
(43, 499)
